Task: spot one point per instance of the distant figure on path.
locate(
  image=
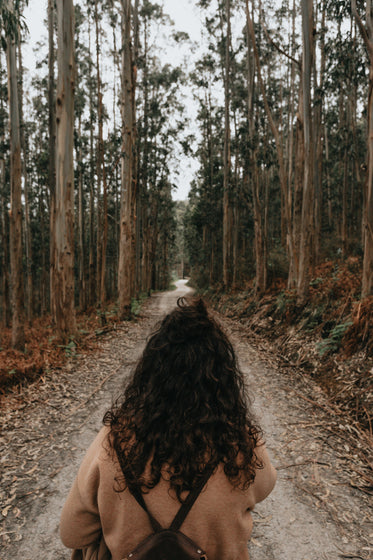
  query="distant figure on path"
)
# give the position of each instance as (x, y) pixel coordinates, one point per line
(183, 419)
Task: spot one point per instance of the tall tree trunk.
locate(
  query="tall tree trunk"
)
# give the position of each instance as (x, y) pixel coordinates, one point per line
(356, 174)
(253, 175)
(139, 198)
(308, 186)
(81, 259)
(328, 182)
(27, 226)
(318, 136)
(44, 273)
(298, 191)
(64, 243)
(52, 155)
(227, 220)
(144, 194)
(367, 34)
(211, 154)
(345, 185)
(18, 335)
(4, 262)
(235, 213)
(80, 223)
(128, 186)
(259, 236)
(367, 283)
(291, 113)
(114, 175)
(99, 159)
(92, 270)
(104, 238)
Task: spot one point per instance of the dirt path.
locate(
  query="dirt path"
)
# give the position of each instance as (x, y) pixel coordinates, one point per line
(313, 514)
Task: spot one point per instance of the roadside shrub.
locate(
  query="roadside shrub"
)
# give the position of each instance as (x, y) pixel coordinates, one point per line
(332, 344)
(360, 334)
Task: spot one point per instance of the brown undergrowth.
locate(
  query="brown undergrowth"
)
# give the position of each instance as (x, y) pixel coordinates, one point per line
(44, 351)
(329, 338)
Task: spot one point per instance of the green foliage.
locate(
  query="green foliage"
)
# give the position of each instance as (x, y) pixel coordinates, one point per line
(332, 344)
(11, 20)
(314, 317)
(281, 302)
(285, 300)
(136, 304)
(316, 282)
(70, 348)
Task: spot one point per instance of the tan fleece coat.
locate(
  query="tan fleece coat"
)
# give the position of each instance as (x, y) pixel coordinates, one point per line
(101, 523)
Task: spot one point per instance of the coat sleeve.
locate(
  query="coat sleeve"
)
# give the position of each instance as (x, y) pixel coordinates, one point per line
(80, 524)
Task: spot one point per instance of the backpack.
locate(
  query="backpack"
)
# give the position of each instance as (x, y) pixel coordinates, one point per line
(169, 544)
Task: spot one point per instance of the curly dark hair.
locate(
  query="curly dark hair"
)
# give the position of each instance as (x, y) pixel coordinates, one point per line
(185, 408)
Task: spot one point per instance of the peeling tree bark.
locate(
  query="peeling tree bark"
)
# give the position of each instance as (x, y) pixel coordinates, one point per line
(4, 256)
(64, 230)
(367, 34)
(27, 225)
(259, 235)
(17, 290)
(52, 153)
(92, 270)
(227, 211)
(307, 230)
(127, 253)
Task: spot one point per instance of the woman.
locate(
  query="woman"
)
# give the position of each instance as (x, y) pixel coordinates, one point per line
(184, 413)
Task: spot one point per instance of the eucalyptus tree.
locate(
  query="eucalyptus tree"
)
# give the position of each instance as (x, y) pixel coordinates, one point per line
(52, 149)
(307, 228)
(64, 231)
(366, 30)
(81, 143)
(9, 20)
(26, 185)
(39, 191)
(127, 255)
(227, 207)
(4, 200)
(92, 254)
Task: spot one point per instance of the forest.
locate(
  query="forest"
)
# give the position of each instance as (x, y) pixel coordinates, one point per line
(278, 225)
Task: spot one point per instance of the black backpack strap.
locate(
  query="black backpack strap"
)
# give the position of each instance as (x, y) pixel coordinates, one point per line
(137, 494)
(189, 501)
(183, 511)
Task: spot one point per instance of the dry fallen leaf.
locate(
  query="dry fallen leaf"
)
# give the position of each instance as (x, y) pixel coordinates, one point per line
(256, 542)
(5, 511)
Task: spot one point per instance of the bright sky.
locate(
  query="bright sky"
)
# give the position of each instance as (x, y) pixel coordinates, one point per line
(186, 18)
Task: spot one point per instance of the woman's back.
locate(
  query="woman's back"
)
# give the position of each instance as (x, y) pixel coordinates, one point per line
(220, 521)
